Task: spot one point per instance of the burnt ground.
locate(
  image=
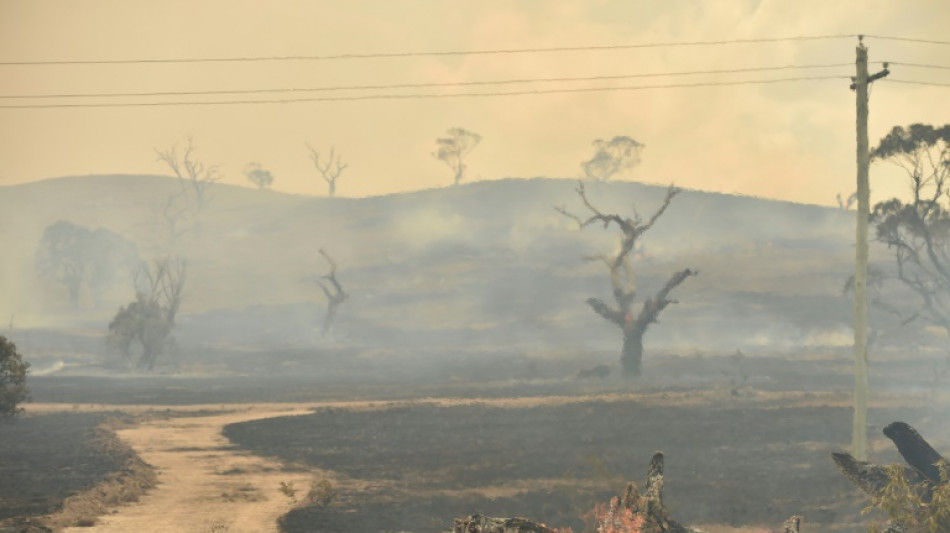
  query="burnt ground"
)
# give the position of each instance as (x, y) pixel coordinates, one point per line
(46, 458)
(741, 463)
(747, 440)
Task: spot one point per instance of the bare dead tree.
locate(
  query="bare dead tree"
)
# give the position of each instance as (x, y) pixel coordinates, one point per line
(329, 170)
(176, 215)
(194, 177)
(335, 297)
(623, 281)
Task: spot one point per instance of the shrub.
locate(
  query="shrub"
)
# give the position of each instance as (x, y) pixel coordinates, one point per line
(914, 508)
(321, 491)
(287, 489)
(13, 372)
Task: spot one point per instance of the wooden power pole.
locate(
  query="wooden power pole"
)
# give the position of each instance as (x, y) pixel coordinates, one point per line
(859, 429)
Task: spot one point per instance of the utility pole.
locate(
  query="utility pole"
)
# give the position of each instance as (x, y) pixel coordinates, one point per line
(859, 428)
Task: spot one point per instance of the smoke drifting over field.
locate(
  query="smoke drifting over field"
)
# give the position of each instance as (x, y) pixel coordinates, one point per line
(485, 266)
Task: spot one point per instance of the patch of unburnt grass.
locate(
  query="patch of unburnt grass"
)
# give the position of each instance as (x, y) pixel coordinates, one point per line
(66, 469)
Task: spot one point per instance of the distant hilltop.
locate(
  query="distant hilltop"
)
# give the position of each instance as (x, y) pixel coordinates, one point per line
(489, 257)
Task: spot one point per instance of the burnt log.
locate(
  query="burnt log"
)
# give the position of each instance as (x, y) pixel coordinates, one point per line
(478, 523)
(922, 471)
(872, 478)
(916, 451)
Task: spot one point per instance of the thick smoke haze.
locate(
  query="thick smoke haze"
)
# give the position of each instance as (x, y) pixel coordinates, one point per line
(791, 141)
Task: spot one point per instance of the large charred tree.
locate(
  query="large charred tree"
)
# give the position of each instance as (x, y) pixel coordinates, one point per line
(335, 293)
(918, 231)
(330, 169)
(623, 281)
(144, 326)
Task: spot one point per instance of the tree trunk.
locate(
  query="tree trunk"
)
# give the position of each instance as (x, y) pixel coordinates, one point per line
(632, 355)
(332, 191)
(73, 293)
(149, 354)
(328, 319)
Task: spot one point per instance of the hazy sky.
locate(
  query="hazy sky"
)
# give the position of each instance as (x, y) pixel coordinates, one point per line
(792, 141)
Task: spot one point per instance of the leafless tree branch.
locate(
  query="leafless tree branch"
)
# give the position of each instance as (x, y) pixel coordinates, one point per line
(330, 170)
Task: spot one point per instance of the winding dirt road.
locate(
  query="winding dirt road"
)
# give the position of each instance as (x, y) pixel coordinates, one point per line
(204, 486)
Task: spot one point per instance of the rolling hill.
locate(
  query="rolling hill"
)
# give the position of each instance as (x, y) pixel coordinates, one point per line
(485, 266)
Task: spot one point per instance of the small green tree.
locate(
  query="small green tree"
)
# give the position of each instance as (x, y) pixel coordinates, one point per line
(612, 157)
(917, 231)
(455, 148)
(909, 507)
(13, 370)
(259, 176)
(144, 326)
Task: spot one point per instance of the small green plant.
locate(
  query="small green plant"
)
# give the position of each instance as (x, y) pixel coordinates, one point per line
(13, 372)
(321, 491)
(288, 489)
(910, 506)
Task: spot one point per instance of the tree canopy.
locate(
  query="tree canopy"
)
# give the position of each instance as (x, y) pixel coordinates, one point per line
(258, 175)
(76, 256)
(453, 149)
(917, 231)
(612, 157)
(13, 370)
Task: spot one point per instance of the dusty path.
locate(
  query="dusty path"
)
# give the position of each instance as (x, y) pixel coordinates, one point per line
(203, 486)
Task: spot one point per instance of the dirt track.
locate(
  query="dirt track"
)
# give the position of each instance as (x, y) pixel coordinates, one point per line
(209, 485)
(204, 485)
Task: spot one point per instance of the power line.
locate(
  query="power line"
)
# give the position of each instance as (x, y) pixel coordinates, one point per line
(386, 55)
(906, 39)
(911, 82)
(424, 96)
(919, 65)
(433, 84)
